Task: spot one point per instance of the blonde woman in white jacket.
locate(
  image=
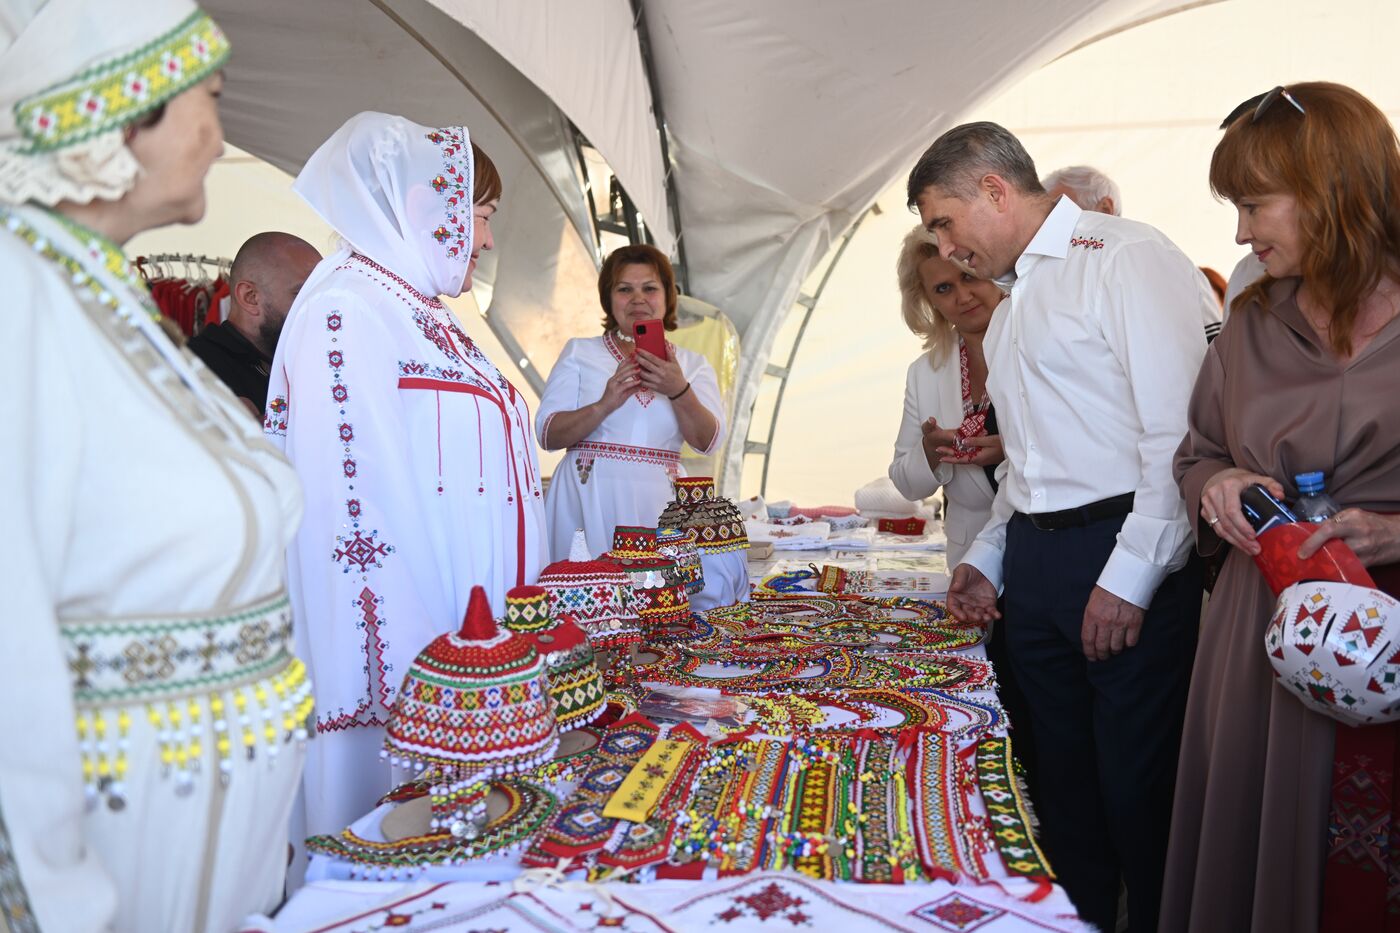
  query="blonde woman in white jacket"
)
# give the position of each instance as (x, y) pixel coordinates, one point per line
(946, 439)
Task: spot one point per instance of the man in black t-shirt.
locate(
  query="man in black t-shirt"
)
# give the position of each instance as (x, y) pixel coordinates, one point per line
(267, 274)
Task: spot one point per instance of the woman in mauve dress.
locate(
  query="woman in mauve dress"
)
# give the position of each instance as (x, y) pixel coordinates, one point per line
(1269, 832)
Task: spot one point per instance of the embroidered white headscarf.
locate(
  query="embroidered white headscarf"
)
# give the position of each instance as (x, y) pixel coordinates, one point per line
(75, 73)
(399, 193)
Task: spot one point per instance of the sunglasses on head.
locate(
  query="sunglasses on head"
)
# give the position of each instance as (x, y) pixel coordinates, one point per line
(1260, 104)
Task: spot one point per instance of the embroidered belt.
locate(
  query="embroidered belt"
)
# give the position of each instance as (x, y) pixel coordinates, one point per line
(585, 452)
(122, 661)
(207, 682)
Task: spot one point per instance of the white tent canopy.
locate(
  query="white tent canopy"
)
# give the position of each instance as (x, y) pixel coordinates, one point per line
(784, 121)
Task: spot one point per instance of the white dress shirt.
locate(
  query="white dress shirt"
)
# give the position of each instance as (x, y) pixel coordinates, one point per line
(934, 390)
(1091, 363)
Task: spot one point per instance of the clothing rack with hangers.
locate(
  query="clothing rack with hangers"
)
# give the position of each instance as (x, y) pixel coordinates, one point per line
(191, 290)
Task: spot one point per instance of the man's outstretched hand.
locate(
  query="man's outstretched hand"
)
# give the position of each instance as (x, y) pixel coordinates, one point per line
(971, 596)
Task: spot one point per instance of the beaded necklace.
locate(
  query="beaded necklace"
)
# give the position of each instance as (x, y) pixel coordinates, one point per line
(756, 807)
(528, 807)
(99, 248)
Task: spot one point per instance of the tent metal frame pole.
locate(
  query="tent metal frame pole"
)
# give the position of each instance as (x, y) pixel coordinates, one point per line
(639, 25)
(783, 373)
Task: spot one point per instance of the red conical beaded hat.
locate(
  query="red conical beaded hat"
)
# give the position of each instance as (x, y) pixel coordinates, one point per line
(472, 701)
(594, 594)
(574, 681)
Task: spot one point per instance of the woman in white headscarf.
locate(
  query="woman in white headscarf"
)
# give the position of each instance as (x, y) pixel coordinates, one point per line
(420, 472)
(149, 701)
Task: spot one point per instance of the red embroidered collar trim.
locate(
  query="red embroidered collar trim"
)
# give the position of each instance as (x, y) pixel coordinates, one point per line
(430, 302)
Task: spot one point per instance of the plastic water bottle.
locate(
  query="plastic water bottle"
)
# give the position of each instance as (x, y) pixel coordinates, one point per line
(1313, 505)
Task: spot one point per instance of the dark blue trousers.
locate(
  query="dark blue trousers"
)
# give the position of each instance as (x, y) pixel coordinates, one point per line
(1106, 732)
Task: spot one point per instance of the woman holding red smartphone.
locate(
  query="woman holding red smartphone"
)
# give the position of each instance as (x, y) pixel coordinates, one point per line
(623, 404)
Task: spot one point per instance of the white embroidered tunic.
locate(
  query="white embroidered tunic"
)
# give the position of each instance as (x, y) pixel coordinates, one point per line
(621, 474)
(144, 521)
(421, 481)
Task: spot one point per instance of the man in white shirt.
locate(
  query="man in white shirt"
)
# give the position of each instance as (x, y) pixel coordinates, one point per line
(1091, 362)
(1092, 190)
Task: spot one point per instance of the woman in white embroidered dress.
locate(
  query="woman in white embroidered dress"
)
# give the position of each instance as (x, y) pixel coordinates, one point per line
(944, 441)
(624, 413)
(144, 514)
(421, 476)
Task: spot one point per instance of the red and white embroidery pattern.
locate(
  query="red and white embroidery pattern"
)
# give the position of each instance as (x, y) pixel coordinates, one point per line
(360, 552)
(454, 185)
(957, 913)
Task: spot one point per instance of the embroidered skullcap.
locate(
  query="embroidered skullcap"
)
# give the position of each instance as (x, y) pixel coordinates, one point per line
(574, 680)
(596, 595)
(474, 700)
(75, 73)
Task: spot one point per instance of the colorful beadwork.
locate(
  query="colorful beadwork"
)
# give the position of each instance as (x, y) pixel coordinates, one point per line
(594, 594)
(111, 258)
(110, 94)
(528, 808)
(670, 765)
(1001, 794)
(579, 828)
(679, 545)
(574, 681)
(473, 700)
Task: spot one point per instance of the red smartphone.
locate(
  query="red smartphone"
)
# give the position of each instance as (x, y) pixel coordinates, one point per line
(651, 337)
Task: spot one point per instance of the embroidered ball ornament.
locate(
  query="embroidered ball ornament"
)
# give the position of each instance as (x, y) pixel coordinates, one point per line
(679, 545)
(1337, 647)
(596, 595)
(473, 701)
(574, 681)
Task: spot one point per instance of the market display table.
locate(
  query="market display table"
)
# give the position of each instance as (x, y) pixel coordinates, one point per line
(841, 728)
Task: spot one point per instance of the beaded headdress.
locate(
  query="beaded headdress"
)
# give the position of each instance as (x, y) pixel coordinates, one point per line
(473, 700)
(716, 521)
(594, 594)
(75, 74)
(574, 681)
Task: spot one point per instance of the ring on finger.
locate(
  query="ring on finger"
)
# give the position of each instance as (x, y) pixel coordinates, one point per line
(1213, 521)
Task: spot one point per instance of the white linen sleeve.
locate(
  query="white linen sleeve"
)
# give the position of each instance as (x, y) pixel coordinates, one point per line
(365, 549)
(561, 392)
(41, 783)
(989, 547)
(1151, 315)
(909, 470)
(705, 385)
